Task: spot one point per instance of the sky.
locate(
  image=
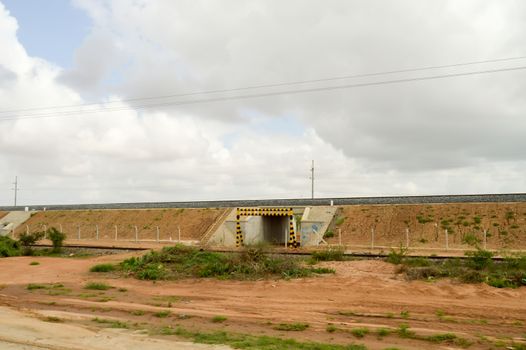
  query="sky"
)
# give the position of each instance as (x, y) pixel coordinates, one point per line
(126, 101)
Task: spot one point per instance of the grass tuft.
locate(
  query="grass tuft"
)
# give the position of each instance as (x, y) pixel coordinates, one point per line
(295, 327)
(219, 319)
(102, 268)
(97, 286)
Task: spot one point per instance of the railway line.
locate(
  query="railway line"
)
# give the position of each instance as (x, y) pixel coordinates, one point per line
(428, 199)
(276, 251)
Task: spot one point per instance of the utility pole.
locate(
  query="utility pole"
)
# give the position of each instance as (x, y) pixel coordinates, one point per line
(312, 179)
(16, 187)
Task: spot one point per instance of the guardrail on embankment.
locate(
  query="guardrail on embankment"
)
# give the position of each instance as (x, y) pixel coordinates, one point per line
(433, 199)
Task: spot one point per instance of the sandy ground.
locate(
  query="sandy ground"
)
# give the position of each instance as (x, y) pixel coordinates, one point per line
(27, 331)
(361, 294)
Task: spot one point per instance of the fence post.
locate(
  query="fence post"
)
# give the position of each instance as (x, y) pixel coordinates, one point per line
(179, 232)
(116, 232)
(447, 242)
(340, 236)
(136, 234)
(27, 229)
(60, 226)
(485, 239)
(78, 232)
(407, 237)
(157, 234)
(97, 229)
(372, 237)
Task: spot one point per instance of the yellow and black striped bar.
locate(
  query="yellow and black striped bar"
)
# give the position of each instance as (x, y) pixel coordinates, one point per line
(293, 239)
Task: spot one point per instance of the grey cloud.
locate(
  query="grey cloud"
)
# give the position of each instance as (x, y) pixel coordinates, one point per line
(7, 76)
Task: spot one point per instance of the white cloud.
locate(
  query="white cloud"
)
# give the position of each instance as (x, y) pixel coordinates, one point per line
(451, 136)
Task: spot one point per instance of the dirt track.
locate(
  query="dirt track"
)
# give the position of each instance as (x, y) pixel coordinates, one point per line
(362, 293)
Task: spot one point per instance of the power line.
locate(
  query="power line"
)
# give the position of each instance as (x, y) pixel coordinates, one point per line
(267, 94)
(299, 82)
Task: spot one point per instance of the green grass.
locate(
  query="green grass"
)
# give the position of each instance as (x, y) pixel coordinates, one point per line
(111, 323)
(251, 342)
(477, 267)
(33, 286)
(219, 319)
(102, 268)
(97, 286)
(329, 254)
(162, 314)
(185, 262)
(137, 312)
(295, 327)
(383, 332)
(404, 314)
(49, 286)
(403, 331)
(34, 263)
(360, 332)
(331, 328)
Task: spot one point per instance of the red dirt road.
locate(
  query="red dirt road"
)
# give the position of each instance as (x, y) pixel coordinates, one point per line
(361, 294)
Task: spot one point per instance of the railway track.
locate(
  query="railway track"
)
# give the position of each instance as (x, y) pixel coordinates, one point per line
(432, 199)
(278, 251)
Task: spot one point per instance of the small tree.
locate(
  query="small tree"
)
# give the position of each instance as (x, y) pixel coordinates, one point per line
(29, 239)
(57, 238)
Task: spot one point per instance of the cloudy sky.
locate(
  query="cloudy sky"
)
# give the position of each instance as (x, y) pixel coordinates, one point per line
(102, 101)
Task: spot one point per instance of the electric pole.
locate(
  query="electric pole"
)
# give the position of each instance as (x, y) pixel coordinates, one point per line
(312, 179)
(16, 187)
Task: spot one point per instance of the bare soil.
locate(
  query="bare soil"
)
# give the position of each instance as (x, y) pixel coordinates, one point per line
(505, 225)
(192, 223)
(2, 214)
(365, 293)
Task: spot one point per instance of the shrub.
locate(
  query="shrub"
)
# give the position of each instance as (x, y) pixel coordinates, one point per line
(339, 220)
(102, 268)
(396, 257)
(34, 263)
(181, 261)
(57, 239)
(480, 259)
(29, 239)
(328, 234)
(471, 239)
(9, 247)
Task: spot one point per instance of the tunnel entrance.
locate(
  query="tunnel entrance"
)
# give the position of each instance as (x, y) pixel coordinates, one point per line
(275, 229)
(276, 226)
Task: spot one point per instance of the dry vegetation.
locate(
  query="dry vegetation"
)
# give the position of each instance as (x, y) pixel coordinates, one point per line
(193, 223)
(505, 224)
